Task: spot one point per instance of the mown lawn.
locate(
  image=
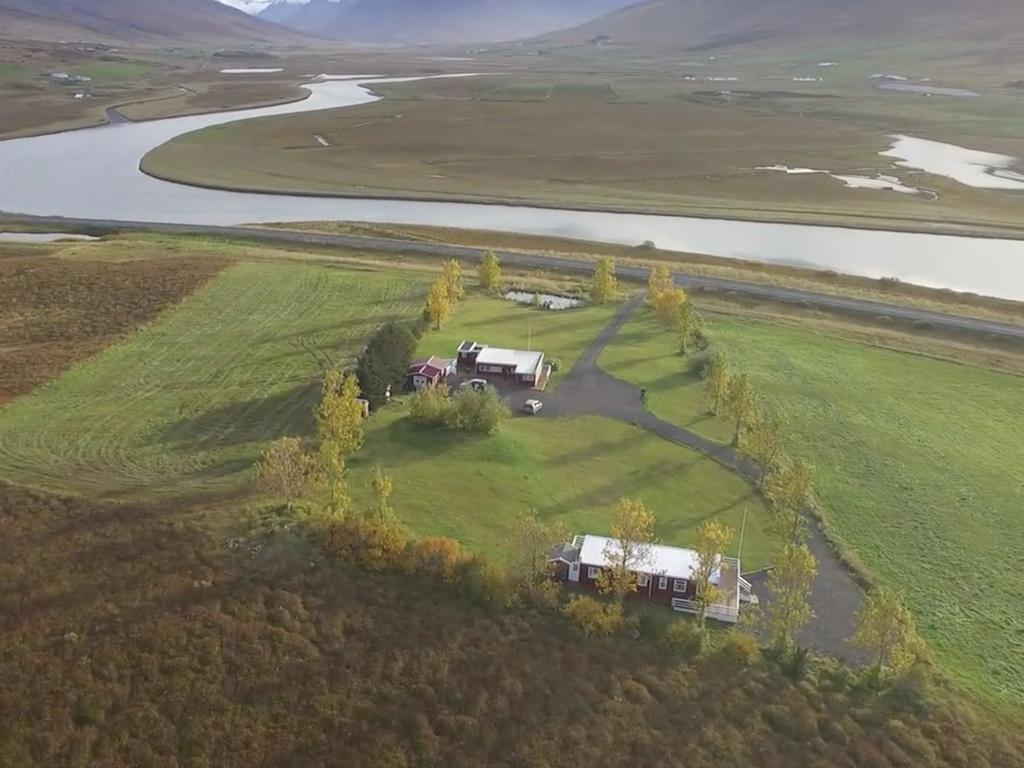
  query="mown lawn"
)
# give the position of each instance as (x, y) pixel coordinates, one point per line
(561, 335)
(187, 404)
(920, 471)
(473, 488)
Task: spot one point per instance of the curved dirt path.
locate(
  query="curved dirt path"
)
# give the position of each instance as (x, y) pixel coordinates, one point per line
(588, 390)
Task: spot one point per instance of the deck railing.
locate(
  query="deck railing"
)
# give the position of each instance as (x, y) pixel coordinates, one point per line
(727, 613)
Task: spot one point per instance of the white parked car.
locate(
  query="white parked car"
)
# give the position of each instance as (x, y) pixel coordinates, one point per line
(478, 384)
(533, 407)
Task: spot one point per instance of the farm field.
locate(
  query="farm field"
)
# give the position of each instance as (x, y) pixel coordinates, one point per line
(687, 148)
(186, 405)
(919, 471)
(61, 304)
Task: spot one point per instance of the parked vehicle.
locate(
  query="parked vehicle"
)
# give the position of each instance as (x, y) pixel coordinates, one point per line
(533, 407)
(478, 384)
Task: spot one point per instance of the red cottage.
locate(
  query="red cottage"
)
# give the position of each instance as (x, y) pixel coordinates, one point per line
(665, 576)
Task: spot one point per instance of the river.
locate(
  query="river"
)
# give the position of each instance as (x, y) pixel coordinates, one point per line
(94, 174)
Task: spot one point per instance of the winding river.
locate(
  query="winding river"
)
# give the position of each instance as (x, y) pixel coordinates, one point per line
(94, 174)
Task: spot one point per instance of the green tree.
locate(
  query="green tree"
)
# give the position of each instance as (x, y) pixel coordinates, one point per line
(740, 403)
(713, 538)
(384, 363)
(886, 630)
(489, 272)
(431, 406)
(790, 489)
(628, 550)
(531, 548)
(687, 326)
(480, 411)
(659, 282)
(789, 584)
(452, 275)
(605, 286)
(716, 380)
(339, 416)
(285, 470)
(382, 486)
(439, 304)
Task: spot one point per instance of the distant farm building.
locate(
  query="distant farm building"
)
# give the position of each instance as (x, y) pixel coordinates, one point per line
(510, 365)
(430, 372)
(665, 577)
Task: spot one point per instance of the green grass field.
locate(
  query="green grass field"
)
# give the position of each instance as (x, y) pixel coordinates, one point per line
(920, 471)
(500, 323)
(473, 488)
(187, 404)
(111, 71)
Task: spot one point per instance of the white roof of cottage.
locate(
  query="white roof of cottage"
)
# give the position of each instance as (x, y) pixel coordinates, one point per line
(674, 562)
(524, 362)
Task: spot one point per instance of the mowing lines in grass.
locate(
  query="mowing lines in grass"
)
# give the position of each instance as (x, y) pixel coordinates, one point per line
(920, 468)
(187, 404)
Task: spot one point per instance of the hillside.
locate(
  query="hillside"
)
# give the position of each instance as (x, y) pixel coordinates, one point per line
(196, 20)
(443, 21)
(698, 24)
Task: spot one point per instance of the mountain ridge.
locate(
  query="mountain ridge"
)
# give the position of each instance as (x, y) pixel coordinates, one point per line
(196, 20)
(441, 21)
(707, 24)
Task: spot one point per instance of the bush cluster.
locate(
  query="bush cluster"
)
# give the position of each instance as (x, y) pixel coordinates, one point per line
(470, 410)
(594, 617)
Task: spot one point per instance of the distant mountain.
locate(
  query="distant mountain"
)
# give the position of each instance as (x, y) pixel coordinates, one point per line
(198, 20)
(705, 24)
(438, 21)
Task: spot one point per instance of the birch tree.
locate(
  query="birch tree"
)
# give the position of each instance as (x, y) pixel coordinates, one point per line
(489, 272)
(285, 470)
(740, 403)
(439, 304)
(659, 281)
(629, 548)
(713, 538)
(452, 276)
(789, 584)
(886, 630)
(716, 380)
(605, 286)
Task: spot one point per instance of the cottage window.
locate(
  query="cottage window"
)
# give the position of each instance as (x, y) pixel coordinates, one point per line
(642, 579)
(593, 572)
(680, 585)
(663, 582)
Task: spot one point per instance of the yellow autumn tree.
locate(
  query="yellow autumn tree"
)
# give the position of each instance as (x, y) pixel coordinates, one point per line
(489, 272)
(659, 282)
(628, 550)
(285, 470)
(886, 630)
(439, 304)
(716, 380)
(789, 584)
(339, 416)
(605, 286)
(452, 275)
(713, 538)
(668, 304)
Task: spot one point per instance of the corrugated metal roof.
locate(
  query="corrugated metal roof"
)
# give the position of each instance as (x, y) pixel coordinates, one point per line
(524, 362)
(661, 560)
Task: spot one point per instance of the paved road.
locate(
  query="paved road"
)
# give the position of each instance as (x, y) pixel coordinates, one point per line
(526, 260)
(588, 390)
